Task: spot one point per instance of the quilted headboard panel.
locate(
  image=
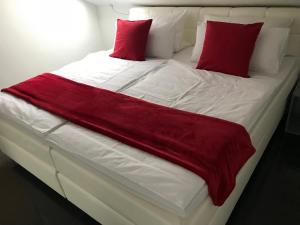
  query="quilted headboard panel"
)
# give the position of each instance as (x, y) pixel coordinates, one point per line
(195, 14)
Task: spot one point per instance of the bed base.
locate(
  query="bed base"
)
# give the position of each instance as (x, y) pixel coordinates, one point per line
(30, 153)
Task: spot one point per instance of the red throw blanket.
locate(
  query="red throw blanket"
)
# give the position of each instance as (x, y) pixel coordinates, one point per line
(214, 149)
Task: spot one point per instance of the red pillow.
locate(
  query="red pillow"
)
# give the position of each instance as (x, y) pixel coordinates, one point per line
(228, 47)
(131, 39)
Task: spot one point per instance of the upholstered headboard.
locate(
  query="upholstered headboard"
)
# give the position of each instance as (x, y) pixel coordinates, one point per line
(194, 14)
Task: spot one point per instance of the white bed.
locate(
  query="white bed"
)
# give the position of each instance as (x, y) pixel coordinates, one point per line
(117, 184)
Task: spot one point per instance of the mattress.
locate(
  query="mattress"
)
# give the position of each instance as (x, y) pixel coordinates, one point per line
(172, 83)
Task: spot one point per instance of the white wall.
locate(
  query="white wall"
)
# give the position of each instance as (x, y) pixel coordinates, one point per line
(201, 2)
(42, 35)
(107, 21)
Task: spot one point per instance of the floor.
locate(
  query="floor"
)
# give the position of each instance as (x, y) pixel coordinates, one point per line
(272, 196)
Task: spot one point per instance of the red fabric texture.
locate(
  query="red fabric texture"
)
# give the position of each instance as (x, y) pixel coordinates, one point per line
(131, 39)
(228, 47)
(212, 148)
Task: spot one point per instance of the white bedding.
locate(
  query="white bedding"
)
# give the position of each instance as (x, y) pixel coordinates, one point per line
(27, 116)
(96, 69)
(173, 83)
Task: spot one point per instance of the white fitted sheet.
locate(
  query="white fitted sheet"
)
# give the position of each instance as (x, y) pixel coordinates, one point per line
(180, 86)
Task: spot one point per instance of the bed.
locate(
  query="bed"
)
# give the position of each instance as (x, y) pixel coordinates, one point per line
(117, 184)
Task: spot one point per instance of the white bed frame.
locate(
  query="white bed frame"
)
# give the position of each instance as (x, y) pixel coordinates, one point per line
(107, 201)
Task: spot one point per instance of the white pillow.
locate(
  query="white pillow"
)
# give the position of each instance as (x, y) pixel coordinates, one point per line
(269, 50)
(200, 36)
(161, 40)
(268, 23)
(179, 41)
(165, 35)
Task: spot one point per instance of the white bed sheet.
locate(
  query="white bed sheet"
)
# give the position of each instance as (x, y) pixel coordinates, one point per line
(177, 85)
(27, 116)
(96, 69)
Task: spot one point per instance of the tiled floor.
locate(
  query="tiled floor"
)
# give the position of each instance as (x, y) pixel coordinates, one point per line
(272, 196)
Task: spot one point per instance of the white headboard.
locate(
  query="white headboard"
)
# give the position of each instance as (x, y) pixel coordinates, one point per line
(194, 14)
